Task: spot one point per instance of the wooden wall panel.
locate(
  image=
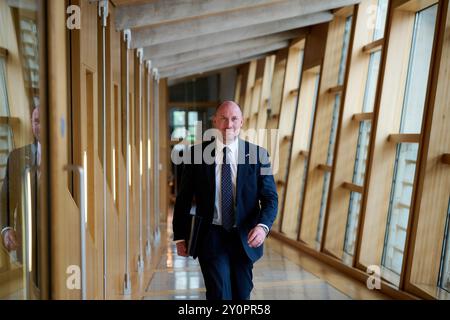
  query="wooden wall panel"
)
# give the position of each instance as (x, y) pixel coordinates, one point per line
(387, 121)
(321, 132)
(434, 180)
(265, 94)
(287, 117)
(348, 137)
(274, 107)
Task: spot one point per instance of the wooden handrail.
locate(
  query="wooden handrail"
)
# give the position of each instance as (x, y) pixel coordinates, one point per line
(325, 167)
(446, 158)
(374, 46)
(404, 138)
(353, 187)
(3, 52)
(336, 90)
(363, 116)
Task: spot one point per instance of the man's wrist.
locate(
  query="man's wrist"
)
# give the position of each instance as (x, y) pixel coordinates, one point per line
(265, 228)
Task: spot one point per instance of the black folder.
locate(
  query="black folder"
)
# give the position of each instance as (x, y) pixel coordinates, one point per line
(193, 237)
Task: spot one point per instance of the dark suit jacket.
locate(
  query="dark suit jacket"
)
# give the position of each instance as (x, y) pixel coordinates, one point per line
(256, 195)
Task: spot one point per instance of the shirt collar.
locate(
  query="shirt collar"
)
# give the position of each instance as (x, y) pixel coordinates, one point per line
(233, 146)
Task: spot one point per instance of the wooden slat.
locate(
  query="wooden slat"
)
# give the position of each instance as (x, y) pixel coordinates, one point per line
(304, 153)
(353, 187)
(9, 120)
(374, 46)
(325, 167)
(363, 116)
(415, 5)
(280, 183)
(336, 90)
(287, 138)
(3, 52)
(404, 138)
(446, 158)
(293, 92)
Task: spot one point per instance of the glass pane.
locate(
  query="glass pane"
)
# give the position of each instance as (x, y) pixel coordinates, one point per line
(419, 67)
(361, 152)
(179, 118)
(444, 278)
(313, 114)
(399, 206)
(323, 205)
(300, 65)
(4, 105)
(381, 19)
(192, 118)
(343, 63)
(372, 79)
(305, 168)
(179, 133)
(333, 132)
(21, 218)
(352, 223)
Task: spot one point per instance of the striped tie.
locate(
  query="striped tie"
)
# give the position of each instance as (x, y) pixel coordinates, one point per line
(227, 193)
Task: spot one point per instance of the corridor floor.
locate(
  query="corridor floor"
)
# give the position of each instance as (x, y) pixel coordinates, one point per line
(282, 274)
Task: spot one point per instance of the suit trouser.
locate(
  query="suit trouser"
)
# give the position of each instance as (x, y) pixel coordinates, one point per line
(226, 268)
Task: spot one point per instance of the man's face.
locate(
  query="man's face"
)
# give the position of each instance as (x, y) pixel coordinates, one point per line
(228, 120)
(35, 124)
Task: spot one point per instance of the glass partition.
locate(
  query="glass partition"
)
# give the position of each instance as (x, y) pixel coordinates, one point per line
(23, 266)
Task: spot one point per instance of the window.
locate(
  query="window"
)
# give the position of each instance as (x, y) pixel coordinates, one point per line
(399, 206)
(358, 179)
(361, 152)
(406, 155)
(353, 217)
(380, 22)
(371, 84)
(344, 54)
(4, 105)
(419, 66)
(323, 205)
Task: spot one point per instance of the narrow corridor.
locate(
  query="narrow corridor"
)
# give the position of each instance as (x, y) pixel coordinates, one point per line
(282, 274)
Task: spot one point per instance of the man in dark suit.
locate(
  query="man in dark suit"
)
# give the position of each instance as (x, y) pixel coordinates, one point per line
(235, 195)
(11, 197)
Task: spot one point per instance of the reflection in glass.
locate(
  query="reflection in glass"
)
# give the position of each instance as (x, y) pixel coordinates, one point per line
(20, 152)
(399, 206)
(444, 278)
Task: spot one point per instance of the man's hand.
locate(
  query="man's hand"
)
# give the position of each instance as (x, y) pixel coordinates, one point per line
(182, 249)
(10, 240)
(256, 237)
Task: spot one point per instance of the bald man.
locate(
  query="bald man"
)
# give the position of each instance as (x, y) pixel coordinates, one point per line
(237, 201)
